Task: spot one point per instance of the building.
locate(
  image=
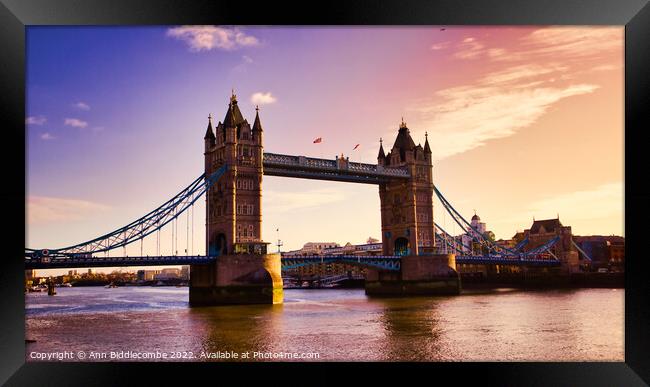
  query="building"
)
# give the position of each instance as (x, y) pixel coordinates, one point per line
(617, 253)
(147, 275)
(542, 231)
(30, 274)
(167, 274)
(467, 243)
(332, 248)
(312, 248)
(506, 243)
(602, 251)
(185, 272)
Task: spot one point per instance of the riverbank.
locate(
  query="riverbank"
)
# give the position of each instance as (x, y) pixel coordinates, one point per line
(515, 280)
(542, 281)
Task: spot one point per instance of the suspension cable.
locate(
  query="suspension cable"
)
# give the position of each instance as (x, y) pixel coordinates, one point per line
(147, 224)
(187, 233)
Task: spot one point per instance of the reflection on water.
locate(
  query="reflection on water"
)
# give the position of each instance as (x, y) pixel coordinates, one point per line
(500, 325)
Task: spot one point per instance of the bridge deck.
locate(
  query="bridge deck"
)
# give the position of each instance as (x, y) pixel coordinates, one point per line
(387, 262)
(324, 169)
(75, 262)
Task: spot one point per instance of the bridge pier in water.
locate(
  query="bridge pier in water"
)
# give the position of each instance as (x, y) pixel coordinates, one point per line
(419, 275)
(237, 279)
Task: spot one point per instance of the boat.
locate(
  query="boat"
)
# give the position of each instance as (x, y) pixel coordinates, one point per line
(110, 286)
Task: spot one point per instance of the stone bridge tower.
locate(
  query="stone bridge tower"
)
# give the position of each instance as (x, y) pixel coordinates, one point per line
(407, 226)
(407, 206)
(243, 272)
(234, 204)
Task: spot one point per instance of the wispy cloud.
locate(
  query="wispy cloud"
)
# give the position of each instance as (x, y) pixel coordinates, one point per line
(47, 136)
(44, 209)
(242, 66)
(282, 202)
(514, 74)
(81, 106)
(550, 42)
(205, 38)
(465, 117)
(75, 123)
(606, 67)
(440, 46)
(534, 73)
(469, 48)
(260, 98)
(35, 120)
(573, 42)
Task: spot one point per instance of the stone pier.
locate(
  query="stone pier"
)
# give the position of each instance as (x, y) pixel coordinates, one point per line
(419, 275)
(237, 279)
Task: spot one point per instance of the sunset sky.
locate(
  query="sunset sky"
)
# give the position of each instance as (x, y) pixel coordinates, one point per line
(523, 122)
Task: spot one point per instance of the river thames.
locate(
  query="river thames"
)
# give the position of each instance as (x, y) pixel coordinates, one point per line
(327, 325)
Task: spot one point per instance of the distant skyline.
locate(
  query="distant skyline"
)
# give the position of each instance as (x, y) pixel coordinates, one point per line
(523, 122)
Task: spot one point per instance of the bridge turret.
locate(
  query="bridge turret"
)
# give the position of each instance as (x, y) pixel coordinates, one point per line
(381, 157)
(427, 148)
(209, 138)
(257, 127)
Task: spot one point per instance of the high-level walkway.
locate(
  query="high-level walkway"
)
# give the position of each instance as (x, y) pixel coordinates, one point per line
(335, 170)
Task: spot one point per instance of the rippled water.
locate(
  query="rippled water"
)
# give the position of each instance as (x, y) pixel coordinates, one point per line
(496, 325)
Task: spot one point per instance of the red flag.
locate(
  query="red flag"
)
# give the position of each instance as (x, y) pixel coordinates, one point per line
(318, 140)
(356, 146)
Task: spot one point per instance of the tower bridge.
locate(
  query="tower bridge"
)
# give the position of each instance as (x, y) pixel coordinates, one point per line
(238, 269)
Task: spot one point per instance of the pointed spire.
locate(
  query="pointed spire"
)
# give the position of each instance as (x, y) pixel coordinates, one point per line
(209, 133)
(233, 115)
(403, 142)
(427, 148)
(257, 125)
(381, 149)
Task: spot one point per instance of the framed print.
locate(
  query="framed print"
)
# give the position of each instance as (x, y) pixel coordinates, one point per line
(210, 186)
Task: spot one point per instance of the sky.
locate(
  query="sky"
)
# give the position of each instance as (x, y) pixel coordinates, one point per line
(523, 122)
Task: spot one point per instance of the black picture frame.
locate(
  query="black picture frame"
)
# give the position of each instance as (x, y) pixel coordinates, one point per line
(634, 14)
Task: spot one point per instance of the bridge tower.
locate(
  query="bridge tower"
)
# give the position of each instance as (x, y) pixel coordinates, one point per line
(407, 226)
(244, 273)
(407, 206)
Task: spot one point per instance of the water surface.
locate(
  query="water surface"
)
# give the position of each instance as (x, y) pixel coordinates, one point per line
(495, 325)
